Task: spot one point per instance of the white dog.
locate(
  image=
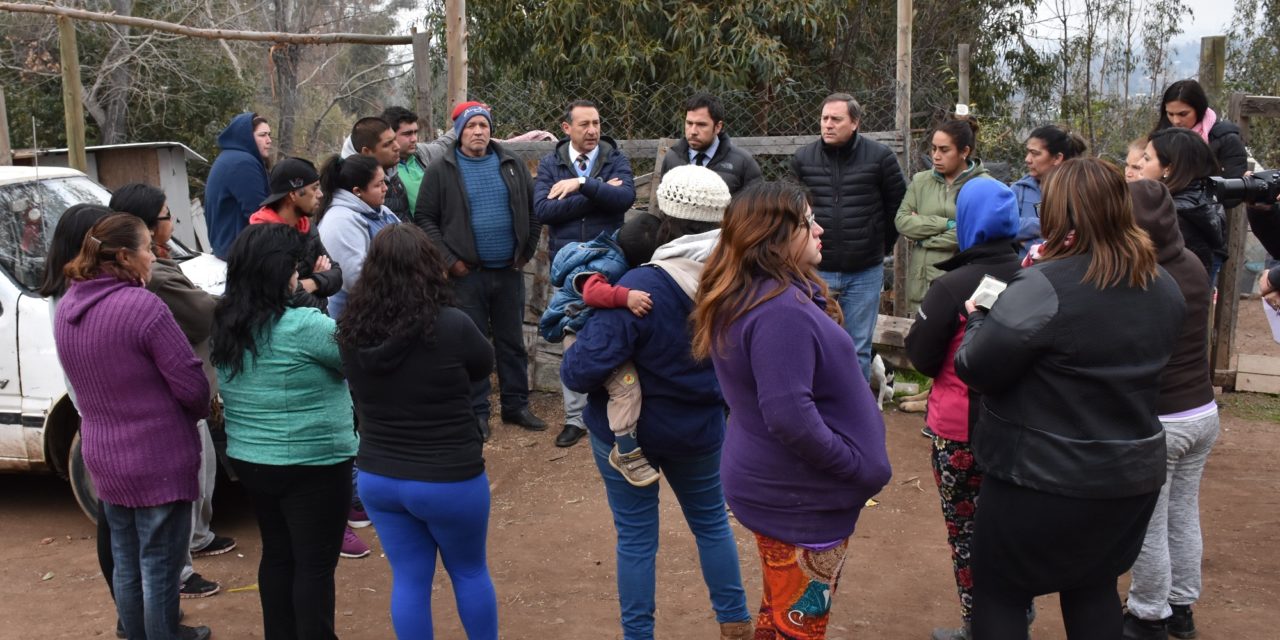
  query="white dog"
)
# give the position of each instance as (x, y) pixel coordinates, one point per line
(881, 380)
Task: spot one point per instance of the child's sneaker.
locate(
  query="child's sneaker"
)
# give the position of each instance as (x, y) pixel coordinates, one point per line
(634, 467)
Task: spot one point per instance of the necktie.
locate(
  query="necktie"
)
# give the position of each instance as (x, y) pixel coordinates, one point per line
(700, 159)
(582, 162)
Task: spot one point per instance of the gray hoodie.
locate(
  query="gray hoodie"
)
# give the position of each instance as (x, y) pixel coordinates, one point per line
(684, 257)
(346, 229)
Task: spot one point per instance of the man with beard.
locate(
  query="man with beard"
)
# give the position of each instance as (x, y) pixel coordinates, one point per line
(707, 145)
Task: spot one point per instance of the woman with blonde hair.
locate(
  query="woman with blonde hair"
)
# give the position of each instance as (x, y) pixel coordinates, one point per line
(1068, 362)
(805, 446)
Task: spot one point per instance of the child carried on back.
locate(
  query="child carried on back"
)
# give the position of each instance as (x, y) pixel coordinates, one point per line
(585, 273)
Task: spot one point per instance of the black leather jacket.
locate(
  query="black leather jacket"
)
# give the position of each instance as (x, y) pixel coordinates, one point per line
(1069, 376)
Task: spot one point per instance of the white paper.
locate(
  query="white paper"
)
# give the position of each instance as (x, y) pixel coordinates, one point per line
(988, 290)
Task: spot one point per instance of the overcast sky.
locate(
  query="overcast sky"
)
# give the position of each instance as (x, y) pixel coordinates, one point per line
(1209, 17)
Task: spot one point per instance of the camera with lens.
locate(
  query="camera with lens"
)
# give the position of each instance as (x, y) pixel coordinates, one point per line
(1262, 187)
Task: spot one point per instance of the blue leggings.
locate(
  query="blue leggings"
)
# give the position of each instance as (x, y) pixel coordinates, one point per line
(415, 520)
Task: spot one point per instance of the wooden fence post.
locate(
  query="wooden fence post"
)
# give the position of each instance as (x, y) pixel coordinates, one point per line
(422, 77)
(962, 69)
(6, 152)
(1213, 66)
(1223, 340)
(902, 122)
(456, 43)
(72, 92)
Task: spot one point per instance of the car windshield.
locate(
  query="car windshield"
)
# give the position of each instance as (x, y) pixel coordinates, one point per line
(29, 211)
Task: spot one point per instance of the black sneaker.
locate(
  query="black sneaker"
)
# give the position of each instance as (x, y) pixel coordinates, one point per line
(1181, 625)
(218, 546)
(197, 587)
(194, 633)
(1136, 628)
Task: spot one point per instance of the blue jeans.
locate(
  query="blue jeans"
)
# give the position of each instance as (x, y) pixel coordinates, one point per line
(494, 300)
(149, 546)
(696, 483)
(415, 521)
(858, 293)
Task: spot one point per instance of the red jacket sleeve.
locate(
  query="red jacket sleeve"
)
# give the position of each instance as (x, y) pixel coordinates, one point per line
(599, 294)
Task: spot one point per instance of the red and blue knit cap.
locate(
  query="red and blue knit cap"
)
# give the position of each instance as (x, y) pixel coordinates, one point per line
(465, 111)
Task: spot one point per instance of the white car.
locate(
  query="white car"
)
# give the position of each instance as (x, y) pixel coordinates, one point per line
(39, 427)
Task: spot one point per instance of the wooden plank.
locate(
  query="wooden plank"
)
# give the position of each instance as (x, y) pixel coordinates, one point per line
(891, 331)
(1225, 379)
(1266, 365)
(655, 178)
(1265, 106)
(118, 167)
(1257, 382)
(1228, 306)
(1213, 60)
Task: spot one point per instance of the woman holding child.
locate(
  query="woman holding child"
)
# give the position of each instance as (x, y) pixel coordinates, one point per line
(681, 420)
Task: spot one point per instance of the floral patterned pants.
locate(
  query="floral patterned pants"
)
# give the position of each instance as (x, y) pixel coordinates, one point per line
(959, 479)
(798, 586)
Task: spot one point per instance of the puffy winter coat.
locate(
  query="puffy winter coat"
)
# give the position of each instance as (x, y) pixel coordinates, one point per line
(567, 311)
(856, 190)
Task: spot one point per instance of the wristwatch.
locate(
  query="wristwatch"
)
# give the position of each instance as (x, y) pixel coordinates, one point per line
(582, 180)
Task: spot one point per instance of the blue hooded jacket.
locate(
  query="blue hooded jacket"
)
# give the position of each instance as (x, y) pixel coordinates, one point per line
(1027, 194)
(567, 311)
(986, 210)
(237, 184)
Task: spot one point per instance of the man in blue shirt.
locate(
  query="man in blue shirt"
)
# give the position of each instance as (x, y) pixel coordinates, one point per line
(476, 204)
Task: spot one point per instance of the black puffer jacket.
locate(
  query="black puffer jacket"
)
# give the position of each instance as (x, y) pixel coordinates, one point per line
(1203, 223)
(1228, 148)
(856, 191)
(1069, 376)
(1185, 384)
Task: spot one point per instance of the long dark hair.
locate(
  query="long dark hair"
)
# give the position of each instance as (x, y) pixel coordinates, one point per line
(401, 290)
(1188, 92)
(345, 173)
(259, 266)
(1185, 156)
(142, 200)
(68, 238)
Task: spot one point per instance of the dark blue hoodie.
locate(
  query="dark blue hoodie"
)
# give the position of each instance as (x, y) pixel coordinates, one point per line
(237, 184)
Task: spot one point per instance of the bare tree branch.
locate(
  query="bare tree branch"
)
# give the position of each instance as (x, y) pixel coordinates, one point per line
(226, 34)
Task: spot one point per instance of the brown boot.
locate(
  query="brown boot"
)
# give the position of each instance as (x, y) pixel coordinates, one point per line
(736, 630)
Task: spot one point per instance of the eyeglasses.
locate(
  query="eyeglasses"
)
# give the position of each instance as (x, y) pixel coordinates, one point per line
(808, 219)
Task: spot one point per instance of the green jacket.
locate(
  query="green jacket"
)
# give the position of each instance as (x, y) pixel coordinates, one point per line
(926, 218)
(290, 406)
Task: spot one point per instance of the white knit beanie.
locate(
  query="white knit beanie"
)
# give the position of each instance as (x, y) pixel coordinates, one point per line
(690, 192)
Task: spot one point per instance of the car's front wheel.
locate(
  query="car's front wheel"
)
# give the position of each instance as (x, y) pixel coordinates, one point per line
(81, 483)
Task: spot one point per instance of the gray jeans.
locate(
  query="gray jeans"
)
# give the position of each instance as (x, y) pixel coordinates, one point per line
(202, 508)
(1168, 569)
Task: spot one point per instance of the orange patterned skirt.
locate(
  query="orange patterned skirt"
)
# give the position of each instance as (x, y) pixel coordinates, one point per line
(798, 586)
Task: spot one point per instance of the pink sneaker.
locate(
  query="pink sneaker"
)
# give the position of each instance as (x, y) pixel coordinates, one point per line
(353, 546)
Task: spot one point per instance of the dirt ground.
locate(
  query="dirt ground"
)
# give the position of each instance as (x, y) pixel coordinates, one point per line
(551, 550)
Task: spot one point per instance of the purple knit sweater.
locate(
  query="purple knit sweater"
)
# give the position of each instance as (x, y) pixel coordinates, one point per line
(140, 390)
(805, 444)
